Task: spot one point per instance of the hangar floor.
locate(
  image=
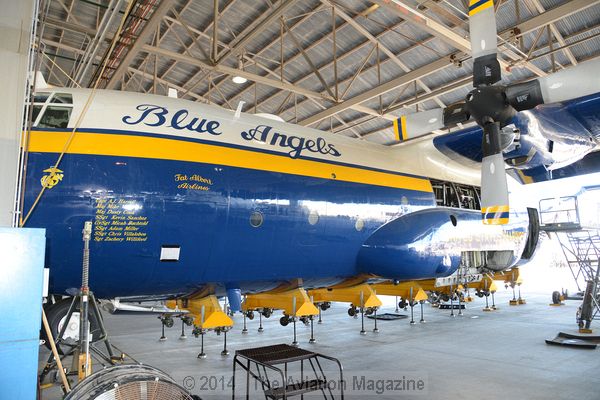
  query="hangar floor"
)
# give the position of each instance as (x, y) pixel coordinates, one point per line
(489, 355)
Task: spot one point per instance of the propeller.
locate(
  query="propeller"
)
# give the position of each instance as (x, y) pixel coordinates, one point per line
(493, 106)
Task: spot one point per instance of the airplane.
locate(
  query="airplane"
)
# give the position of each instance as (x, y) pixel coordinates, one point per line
(186, 197)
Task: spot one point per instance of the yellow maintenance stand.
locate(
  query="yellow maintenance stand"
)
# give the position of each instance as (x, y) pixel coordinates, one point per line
(410, 292)
(513, 279)
(362, 298)
(207, 314)
(295, 304)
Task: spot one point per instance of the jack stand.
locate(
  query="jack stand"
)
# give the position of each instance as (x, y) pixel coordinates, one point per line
(312, 331)
(397, 309)
(88, 307)
(513, 301)
(162, 336)
(225, 352)
(422, 319)
(452, 301)
(494, 301)
(486, 293)
(295, 341)
(362, 321)
(375, 329)
(245, 313)
(411, 303)
(260, 327)
(202, 332)
(165, 320)
(520, 299)
(320, 321)
(245, 330)
(460, 313)
(362, 314)
(183, 336)
(487, 305)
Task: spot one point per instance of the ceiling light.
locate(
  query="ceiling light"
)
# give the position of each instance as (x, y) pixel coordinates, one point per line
(240, 79)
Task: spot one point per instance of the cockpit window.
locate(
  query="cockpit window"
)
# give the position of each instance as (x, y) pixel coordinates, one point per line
(52, 110)
(63, 98)
(41, 97)
(55, 117)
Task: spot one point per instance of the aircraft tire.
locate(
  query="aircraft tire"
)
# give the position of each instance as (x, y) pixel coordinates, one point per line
(556, 297)
(56, 313)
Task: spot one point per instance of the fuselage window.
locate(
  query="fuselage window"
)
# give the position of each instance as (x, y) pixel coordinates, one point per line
(256, 219)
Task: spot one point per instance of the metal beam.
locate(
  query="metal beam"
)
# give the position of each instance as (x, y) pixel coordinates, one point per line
(415, 16)
(234, 71)
(561, 40)
(253, 30)
(379, 90)
(307, 59)
(553, 15)
(148, 30)
(383, 48)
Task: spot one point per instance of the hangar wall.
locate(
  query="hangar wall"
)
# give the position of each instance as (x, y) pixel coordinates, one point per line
(15, 32)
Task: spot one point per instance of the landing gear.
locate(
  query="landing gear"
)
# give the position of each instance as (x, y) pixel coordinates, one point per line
(57, 314)
(556, 298)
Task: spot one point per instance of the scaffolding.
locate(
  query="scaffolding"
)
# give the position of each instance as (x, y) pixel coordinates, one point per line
(575, 222)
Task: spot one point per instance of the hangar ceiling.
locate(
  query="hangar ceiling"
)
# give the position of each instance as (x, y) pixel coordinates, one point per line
(345, 66)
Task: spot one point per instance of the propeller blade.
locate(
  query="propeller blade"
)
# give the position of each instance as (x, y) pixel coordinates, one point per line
(482, 29)
(418, 124)
(494, 188)
(571, 83)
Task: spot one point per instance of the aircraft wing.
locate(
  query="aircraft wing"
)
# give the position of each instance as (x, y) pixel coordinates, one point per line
(548, 142)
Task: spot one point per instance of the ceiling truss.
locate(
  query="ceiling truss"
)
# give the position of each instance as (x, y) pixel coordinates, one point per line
(196, 46)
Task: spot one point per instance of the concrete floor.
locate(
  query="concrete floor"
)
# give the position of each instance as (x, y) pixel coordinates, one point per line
(480, 355)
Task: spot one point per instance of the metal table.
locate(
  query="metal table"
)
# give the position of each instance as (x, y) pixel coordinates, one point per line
(272, 358)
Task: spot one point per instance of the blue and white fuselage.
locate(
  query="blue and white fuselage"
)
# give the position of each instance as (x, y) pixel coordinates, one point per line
(185, 196)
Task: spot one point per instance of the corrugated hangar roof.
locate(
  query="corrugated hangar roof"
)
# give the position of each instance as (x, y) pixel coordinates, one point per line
(348, 66)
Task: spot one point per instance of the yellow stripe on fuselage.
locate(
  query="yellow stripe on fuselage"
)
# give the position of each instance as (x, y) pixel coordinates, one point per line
(495, 221)
(495, 209)
(179, 150)
(492, 215)
(483, 6)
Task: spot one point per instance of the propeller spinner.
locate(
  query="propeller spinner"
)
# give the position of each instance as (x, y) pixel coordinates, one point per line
(492, 106)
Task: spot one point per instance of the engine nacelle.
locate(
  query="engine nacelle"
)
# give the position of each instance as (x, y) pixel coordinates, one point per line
(430, 243)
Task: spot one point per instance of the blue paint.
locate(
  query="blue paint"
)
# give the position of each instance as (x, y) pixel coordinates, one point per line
(406, 247)
(21, 278)
(235, 299)
(218, 244)
(549, 134)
